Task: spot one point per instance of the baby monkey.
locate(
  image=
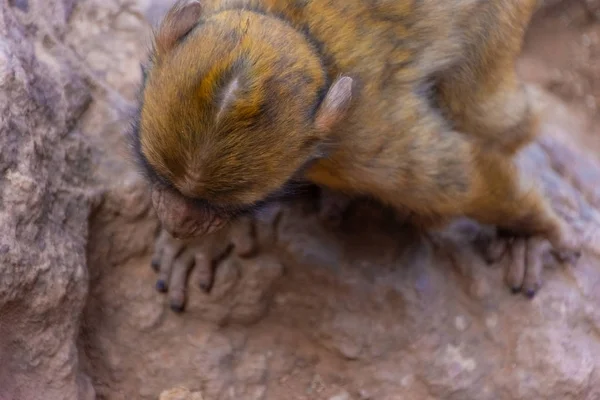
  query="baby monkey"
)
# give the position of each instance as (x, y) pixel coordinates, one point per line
(415, 103)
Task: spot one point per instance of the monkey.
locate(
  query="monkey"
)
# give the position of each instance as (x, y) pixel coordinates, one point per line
(415, 103)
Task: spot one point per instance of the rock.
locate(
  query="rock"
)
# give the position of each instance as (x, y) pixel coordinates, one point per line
(341, 396)
(367, 310)
(180, 394)
(44, 209)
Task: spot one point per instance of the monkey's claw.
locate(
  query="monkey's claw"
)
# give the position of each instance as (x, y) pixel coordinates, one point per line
(161, 286)
(155, 264)
(177, 306)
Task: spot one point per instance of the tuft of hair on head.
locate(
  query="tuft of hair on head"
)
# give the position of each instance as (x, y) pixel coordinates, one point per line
(227, 97)
(177, 23)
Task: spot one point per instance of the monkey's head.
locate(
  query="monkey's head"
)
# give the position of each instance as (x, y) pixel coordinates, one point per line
(234, 104)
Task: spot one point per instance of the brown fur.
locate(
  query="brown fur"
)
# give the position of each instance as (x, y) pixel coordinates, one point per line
(413, 102)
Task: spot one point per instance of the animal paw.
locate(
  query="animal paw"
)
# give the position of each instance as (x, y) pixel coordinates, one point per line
(173, 260)
(177, 261)
(526, 257)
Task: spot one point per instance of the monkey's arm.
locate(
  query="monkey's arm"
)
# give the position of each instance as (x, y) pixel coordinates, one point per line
(569, 182)
(448, 174)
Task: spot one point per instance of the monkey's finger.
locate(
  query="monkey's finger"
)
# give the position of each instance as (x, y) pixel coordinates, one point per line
(243, 237)
(179, 279)
(268, 214)
(169, 253)
(244, 245)
(204, 274)
(570, 257)
(491, 248)
(516, 268)
(496, 249)
(534, 266)
(155, 263)
(566, 247)
(159, 246)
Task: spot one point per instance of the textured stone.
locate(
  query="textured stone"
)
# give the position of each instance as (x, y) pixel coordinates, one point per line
(44, 208)
(367, 310)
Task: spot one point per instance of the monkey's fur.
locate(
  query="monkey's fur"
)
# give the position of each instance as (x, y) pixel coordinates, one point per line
(413, 102)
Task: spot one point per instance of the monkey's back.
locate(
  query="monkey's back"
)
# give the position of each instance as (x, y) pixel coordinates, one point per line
(379, 41)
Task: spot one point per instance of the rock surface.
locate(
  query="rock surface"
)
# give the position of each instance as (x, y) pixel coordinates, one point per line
(44, 209)
(180, 394)
(366, 310)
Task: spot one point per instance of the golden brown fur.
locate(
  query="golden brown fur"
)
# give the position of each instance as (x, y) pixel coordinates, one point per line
(413, 102)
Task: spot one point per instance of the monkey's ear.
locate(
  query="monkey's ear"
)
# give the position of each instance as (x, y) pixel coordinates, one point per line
(180, 19)
(335, 105)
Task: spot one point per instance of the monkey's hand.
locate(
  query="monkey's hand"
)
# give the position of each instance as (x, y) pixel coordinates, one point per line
(570, 182)
(526, 257)
(174, 259)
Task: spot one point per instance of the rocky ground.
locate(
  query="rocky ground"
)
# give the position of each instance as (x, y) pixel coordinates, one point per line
(366, 311)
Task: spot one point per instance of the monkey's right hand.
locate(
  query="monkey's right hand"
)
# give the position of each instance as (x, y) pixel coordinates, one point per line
(174, 259)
